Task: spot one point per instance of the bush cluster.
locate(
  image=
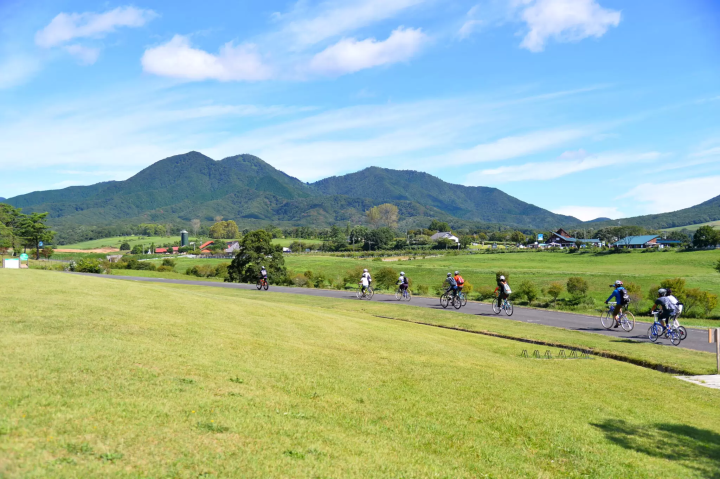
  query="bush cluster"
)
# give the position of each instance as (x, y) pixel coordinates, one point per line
(208, 271)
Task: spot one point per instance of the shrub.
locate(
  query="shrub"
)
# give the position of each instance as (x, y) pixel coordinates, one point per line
(300, 280)
(386, 278)
(165, 269)
(717, 266)
(221, 270)
(137, 249)
(353, 276)
(577, 287)
(422, 290)
(702, 300)
(527, 289)
(88, 266)
(168, 262)
(468, 288)
(125, 246)
(555, 290)
(485, 292)
(634, 291)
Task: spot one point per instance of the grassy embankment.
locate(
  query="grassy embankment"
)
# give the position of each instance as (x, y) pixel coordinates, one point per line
(120, 379)
(645, 269)
(714, 224)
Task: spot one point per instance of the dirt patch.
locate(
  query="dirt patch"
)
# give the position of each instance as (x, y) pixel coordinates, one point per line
(106, 249)
(397, 258)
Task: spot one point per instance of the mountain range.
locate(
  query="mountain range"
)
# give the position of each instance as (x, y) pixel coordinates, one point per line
(246, 189)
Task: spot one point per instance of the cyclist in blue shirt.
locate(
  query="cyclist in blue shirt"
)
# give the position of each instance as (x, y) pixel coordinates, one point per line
(452, 283)
(618, 294)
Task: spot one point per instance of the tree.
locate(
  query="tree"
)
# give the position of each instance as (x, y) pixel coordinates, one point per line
(195, 226)
(256, 250)
(137, 249)
(717, 266)
(33, 229)
(436, 226)
(465, 241)
(706, 236)
(388, 215)
(168, 229)
(224, 230)
(528, 289)
(555, 290)
(380, 238)
(373, 216)
(358, 234)
(47, 252)
(483, 237)
(125, 246)
(517, 237)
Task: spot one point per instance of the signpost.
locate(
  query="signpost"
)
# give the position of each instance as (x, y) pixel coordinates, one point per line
(714, 337)
(40, 244)
(540, 237)
(24, 257)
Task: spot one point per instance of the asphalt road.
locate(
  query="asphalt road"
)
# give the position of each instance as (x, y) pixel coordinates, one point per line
(697, 338)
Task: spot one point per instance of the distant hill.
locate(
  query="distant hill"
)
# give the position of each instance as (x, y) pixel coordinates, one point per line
(2, 199)
(248, 190)
(599, 220)
(702, 213)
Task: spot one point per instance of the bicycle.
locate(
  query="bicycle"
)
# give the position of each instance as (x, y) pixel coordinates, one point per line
(505, 306)
(657, 330)
(463, 298)
(403, 294)
(626, 319)
(449, 298)
(367, 294)
(262, 284)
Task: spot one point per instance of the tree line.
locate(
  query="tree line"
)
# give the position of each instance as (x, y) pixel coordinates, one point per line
(19, 231)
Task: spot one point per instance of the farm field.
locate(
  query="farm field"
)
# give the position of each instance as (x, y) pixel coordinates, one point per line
(714, 224)
(645, 269)
(106, 378)
(116, 241)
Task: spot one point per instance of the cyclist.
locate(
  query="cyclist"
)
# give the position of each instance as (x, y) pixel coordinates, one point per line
(618, 294)
(503, 290)
(263, 273)
(452, 285)
(403, 281)
(459, 280)
(678, 305)
(365, 280)
(668, 308)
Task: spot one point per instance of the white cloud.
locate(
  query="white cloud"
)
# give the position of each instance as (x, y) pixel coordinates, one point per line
(674, 195)
(336, 18)
(178, 59)
(471, 22)
(68, 26)
(85, 55)
(350, 55)
(565, 21)
(16, 70)
(587, 213)
(562, 166)
(516, 146)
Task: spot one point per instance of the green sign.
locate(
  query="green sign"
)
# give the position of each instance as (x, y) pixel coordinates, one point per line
(23, 257)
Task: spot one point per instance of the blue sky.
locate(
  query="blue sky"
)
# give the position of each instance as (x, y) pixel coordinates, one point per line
(584, 107)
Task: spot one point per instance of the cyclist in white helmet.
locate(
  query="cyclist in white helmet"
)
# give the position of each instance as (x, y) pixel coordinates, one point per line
(619, 294)
(365, 280)
(403, 281)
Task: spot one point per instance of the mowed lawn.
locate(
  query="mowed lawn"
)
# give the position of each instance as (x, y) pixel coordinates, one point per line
(104, 378)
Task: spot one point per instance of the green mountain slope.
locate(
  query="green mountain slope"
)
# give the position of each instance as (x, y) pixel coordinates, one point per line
(475, 203)
(247, 189)
(702, 213)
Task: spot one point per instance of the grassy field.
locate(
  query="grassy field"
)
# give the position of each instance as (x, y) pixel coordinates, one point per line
(714, 224)
(645, 269)
(116, 379)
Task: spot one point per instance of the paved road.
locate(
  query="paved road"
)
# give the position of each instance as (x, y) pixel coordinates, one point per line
(697, 338)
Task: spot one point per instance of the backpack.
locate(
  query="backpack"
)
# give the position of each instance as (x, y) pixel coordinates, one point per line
(624, 297)
(460, 280)
(507, 289)
(405, 280)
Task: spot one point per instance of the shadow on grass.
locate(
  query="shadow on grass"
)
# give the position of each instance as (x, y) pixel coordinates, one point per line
(697, 449)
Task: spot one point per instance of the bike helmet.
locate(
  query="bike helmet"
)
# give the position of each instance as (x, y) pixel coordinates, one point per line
(402, 273)
(449, 274)
(457, 272)
(262, 267)
(618, 283)
(502, 278)
(365, 271)
(662, 292)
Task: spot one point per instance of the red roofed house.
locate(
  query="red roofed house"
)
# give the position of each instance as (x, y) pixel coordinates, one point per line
(206, 244)
(161, 250)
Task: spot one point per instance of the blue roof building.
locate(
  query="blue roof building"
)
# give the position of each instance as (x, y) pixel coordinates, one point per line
(645, 241)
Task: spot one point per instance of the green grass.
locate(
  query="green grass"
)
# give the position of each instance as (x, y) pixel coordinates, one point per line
(119, 379)
(286, 242)
(116, 241)
(714, 224)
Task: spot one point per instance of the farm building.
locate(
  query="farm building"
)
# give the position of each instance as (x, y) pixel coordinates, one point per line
(563, 238)
(232, 246)
(645, 241)
(174, 249)
(444, 235)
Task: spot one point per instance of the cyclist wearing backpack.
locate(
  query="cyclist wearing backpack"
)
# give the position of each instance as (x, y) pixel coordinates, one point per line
(666, 307)
(459, 280)
(622, 298)
(403, 281)
(503, 290)
(450, 280)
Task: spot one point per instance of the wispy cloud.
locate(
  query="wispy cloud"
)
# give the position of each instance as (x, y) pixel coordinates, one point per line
(350, 55)
(564, 165)
(564, 21)
(674, 195)
(178, 59)
(69, 26)
(16, 70)
(85, 55)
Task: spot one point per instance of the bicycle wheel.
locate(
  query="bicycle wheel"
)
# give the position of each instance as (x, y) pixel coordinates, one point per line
(370, 293)
(607, 320)
(444, 301)
(457, 303)
(496, 306)
(674, 337)
(508, 308)
(652, 333)
(682, 332)
(266, 285)
(463, 299)
(627, 321)
(398, 294)
(258, 285)
(408, 295)
(359, 294)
